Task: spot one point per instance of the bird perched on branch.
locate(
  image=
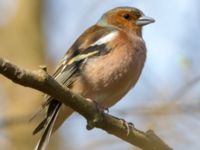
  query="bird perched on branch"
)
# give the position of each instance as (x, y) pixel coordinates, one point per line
(103, 64)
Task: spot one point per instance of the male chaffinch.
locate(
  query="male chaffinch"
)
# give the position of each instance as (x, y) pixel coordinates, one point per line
(103, 64)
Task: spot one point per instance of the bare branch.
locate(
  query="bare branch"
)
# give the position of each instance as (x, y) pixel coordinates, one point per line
(43, 82)
(186, 88)
(5, 122)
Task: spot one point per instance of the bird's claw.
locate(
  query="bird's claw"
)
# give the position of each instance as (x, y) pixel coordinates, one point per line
(106, 109)
(128, 126)
(101, 108)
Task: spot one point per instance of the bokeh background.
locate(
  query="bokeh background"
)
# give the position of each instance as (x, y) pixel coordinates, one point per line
(166, 98)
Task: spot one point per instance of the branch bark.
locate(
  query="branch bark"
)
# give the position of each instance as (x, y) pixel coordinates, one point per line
(43, 82)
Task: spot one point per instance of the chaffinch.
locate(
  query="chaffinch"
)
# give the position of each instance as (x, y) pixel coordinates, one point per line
(103, 64)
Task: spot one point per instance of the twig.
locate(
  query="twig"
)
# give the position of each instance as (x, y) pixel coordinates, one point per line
(186, 88)
(43, 82)
(5, 122)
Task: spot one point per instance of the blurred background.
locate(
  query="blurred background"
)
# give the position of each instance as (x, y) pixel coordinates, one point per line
(166, 98)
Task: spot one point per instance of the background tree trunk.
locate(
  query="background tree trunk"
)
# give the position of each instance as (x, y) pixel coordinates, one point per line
(21, 41)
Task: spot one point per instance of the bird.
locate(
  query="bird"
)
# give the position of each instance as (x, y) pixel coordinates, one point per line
(103, 64)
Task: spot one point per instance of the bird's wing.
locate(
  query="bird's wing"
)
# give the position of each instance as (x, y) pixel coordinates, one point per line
(91, 43)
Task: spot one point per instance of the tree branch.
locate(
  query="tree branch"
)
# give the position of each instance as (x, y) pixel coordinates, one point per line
(43, 82)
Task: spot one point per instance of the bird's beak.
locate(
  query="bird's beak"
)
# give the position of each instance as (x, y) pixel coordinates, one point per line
(144, 20)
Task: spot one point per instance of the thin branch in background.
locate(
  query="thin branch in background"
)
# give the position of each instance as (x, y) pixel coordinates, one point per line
(41, 81)
(5, 122)
(163, 109)
(181, 92)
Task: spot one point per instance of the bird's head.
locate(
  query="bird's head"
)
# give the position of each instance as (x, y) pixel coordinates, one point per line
(126, 18)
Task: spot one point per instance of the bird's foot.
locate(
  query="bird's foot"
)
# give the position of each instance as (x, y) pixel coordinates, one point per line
(100, 107)
(103, 109)
(128, 125)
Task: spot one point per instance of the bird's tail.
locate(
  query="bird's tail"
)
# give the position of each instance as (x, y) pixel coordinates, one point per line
(56, 115)
(48, 123)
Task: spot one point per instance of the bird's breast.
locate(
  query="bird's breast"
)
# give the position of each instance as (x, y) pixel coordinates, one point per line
(106, 79)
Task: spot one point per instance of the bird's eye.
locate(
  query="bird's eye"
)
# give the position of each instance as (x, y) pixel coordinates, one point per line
(127, 16)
